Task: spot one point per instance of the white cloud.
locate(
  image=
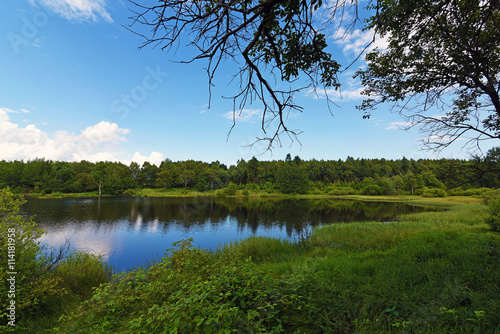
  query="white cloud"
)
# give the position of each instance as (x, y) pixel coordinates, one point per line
(100, 142)
(441, 138)
(349, 94)
(104, 132)
(354, 42)
(204, 108)
(10, 111)
(244, 115)
(398, 125)
(78, 10)
(155, 158)
(376, 121)
(95, 143)
(94, 157)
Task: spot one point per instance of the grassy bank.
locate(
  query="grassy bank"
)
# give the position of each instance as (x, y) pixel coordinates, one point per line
(431, 272)
(191, 192)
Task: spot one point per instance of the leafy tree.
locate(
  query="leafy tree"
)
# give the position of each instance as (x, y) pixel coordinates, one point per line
(36, 173)
(489, 169)
(98, 173)
(135, 170)
(494, 210)
(63, 177)
(187, 173)
(398, 183)
(166, 175)
(147, 175)
(431, 180)
(386, 185)
(82, 166)
(252, 170)
(86, 181)
(239, 173)
(292, 179)
(411, 182)
(441, 70)
(297, 160)
(215, 177)
(117, 178)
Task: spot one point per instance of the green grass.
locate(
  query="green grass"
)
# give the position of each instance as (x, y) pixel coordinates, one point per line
(433, 272)
(63, 195)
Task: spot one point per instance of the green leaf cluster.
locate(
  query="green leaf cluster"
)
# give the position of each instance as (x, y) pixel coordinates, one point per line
(443, 54)
(289, 42)
(494, 209)
(46, 281)
(22, 257)
(190, 291)
(292, 179)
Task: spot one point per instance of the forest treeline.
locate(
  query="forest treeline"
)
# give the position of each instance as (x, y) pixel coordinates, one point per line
(334, 177)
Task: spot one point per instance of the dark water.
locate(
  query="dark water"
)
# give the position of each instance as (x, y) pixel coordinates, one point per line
(130, 231)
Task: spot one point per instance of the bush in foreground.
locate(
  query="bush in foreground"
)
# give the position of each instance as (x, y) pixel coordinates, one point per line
(24, 263)
(190, 291)
(44, 284)
(494, 209)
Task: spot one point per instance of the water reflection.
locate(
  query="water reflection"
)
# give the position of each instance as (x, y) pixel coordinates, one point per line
(129, 231)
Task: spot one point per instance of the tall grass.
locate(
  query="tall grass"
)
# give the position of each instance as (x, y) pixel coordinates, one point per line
(261, 249)
(431, 272)
(80, 272)
(78, 275)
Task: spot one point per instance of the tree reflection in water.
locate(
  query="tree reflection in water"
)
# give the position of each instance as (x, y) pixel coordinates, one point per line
(128, 231)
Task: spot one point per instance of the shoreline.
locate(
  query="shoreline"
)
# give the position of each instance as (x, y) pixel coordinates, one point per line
(409, 199)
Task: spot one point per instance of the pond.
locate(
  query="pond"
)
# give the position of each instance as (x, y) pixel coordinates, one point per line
(129, 232)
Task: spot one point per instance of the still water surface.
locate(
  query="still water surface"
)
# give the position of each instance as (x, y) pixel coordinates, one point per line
(127, 232)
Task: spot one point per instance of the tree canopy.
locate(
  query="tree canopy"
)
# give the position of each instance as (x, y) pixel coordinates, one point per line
(335, 177)
(441, 69)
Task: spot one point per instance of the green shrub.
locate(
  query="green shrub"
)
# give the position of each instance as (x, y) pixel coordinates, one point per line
(342, 191)
(432, 192)
(372, 190)
(477, 192)
(129, 192)
(494, 209)
(268, 187)
(230, 190)
(469, 192)
(252, 187)
(190, 291)
(21, 253)
(46, 283)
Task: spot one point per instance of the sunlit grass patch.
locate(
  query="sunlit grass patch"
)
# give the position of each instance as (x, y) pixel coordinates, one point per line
(261, 249)
(454, 217)
(81, 271)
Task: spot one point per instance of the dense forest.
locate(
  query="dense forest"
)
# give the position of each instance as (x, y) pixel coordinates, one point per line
(334, 177)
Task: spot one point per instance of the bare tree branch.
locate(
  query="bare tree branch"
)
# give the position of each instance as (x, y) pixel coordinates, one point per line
(276, 42)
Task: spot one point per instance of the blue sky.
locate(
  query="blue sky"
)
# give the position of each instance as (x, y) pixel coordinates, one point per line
(74, 86)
